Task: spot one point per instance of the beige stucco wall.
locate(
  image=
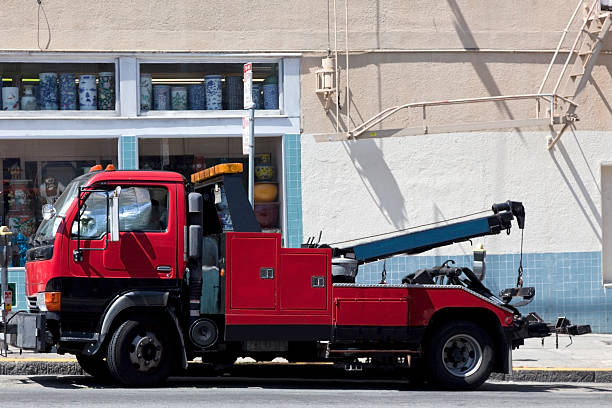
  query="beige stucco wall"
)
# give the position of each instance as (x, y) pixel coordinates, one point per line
(283, 25)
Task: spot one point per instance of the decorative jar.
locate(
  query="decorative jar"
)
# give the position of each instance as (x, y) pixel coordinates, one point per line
(265, 192)
(197, 97)
(88, 95)
(10, 98)
(146, 92)
(161, 97)
(213, 92)
(235, 92)
(179, 97)
(106, 91)
(48, 90)
(28, 100)
(67, 92)
(265, 172)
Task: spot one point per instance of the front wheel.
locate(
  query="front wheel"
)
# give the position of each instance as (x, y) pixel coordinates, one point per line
(139, 353)
(460, 356)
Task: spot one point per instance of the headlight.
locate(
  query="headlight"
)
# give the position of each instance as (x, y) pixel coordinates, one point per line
(49, 301)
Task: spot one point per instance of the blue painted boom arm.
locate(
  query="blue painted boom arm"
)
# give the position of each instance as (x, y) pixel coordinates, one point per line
(420, 241)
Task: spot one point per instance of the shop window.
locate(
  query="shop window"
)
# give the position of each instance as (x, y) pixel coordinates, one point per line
(187, 156)
(206, 87)
(58, 87)
(36, 172)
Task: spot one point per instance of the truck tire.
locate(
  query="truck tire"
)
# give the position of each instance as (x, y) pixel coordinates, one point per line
(139, 353)
(94, 366)
(459, 356)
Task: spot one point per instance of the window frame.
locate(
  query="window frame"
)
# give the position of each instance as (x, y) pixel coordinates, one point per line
(58, 58)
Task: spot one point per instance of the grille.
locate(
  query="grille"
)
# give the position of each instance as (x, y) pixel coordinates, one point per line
(32, 307)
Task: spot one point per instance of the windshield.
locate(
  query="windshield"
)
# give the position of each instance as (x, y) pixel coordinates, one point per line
(47, 229)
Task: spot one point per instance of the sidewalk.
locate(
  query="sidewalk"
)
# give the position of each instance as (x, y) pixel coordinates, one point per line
(588, 359)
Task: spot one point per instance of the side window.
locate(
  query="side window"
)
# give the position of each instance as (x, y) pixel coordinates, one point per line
(93, 217)
(143, 209)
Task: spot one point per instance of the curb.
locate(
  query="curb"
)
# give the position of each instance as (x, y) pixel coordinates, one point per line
(51, 367)
(556, 375)
(40, 368)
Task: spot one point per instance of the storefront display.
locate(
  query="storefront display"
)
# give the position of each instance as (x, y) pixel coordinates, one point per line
(210, 86)
(54, 86)
(36, 173)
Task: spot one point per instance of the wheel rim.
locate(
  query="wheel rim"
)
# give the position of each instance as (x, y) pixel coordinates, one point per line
(462, 355)
(145, 351)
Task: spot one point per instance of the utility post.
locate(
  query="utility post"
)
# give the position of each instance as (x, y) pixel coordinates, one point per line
(5, 255)
(248, 127)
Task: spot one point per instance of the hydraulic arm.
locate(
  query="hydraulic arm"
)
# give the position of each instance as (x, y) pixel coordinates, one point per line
(420, 241)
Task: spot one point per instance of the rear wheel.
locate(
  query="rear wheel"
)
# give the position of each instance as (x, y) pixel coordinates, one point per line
(460, 355)
(139, 353)
(94, 366)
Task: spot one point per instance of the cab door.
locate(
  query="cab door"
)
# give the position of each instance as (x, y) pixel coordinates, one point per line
(147, 248)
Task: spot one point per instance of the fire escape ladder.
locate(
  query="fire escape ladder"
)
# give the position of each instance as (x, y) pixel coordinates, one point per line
(581, 59)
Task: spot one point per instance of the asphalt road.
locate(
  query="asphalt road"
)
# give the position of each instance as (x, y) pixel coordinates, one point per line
(62, 391)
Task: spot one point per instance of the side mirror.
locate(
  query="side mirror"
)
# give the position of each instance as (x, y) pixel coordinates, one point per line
(48, 211)
(114, 214)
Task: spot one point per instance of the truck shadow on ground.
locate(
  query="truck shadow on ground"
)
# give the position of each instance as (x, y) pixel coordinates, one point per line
(87, 382)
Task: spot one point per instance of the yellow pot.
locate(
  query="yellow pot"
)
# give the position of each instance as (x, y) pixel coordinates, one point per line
(265, 192)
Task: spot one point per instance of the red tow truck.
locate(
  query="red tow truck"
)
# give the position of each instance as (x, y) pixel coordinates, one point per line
(139, 272)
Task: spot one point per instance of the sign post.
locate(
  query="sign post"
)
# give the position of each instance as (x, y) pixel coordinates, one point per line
(248, 127)
(7, 295)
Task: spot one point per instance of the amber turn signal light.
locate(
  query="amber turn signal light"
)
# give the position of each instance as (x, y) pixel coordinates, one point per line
(53, 301)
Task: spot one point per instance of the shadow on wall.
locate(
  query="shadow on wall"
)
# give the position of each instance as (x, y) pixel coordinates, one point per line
(577, 186)
(378, 180)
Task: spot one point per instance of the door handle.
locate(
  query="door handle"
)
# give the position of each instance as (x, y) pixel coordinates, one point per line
(164, 268)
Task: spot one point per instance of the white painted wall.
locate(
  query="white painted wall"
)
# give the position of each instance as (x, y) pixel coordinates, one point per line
(355, 189)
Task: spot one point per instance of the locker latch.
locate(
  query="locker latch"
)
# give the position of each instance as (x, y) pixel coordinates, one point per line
(266, 273)
(318, 281)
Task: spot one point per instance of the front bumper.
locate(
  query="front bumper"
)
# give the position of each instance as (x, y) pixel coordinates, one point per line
(29, 331)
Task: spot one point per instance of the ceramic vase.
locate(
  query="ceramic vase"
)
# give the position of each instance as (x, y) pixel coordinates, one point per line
(213, 92)
(256, 95)
(48, 90)
(67, 92)
(235, 92)
(28, 100)
(270, 95)
(10, 98)
(88, 95)
(161, 97)
(265, 172)
(146, 92)
(197, 98)
(106, 91)
(178, 95)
